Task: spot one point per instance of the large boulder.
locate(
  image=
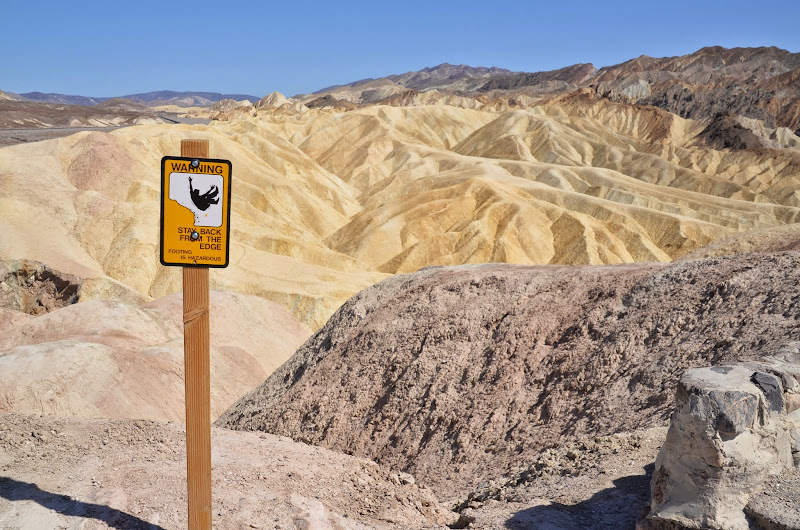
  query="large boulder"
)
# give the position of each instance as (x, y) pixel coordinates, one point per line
(732, 430)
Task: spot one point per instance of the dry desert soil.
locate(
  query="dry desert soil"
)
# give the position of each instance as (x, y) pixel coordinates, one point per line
(96, 474)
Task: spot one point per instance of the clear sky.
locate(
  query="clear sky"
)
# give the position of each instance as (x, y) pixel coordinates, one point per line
(110, 48)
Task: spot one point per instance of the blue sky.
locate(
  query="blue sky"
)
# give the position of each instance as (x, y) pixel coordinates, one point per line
(110, 48)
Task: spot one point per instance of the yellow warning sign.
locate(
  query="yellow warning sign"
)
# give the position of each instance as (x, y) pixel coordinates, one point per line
(195, 211)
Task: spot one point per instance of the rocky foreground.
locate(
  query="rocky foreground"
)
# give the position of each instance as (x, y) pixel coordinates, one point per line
(460, 375)
(97, 474)
(490, 396)
(69, 473)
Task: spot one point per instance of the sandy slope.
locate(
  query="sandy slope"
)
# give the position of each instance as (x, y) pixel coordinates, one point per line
(95, 198)
(573, 179)
(114, 359)
(327, 202)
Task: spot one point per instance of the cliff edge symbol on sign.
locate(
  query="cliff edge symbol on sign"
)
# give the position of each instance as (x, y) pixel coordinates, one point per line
(199, 193)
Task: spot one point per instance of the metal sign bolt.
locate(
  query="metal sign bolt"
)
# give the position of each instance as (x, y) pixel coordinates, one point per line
(195, 236)
(195, 163)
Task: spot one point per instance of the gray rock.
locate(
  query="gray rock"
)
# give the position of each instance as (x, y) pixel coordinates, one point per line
(771, 386)
(729, 434)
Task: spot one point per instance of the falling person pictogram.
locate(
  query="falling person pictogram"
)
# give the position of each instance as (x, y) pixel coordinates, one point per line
(203, 201)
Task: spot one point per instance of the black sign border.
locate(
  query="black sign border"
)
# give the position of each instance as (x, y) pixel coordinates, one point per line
(228, 213)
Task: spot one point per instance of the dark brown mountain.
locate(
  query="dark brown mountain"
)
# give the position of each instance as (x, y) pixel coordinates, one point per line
(329, 101)
(554, 81)
(708, 65)
(725, 131)
(761, 83)
(445, 75)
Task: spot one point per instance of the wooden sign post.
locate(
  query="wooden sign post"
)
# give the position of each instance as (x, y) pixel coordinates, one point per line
(195, 230)
(197, 362)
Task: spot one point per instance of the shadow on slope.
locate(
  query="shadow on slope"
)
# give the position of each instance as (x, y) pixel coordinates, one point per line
(618, 508)
(14, 490)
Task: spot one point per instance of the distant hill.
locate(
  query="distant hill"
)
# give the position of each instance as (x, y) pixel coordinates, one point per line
(8, 96)
(63, 99)
(463, 80)
(447, 75)
(186, 99)
(151, 99)
(443, 75)
(761, 83)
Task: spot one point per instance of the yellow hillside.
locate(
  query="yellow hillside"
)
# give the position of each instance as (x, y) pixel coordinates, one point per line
(328, 202)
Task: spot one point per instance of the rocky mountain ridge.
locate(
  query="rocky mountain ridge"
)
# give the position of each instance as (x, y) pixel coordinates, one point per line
(150, 99)
(758, 83)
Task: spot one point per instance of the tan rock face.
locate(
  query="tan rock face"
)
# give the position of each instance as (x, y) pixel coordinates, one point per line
(87, 205)
(115, 359)
(541, 185)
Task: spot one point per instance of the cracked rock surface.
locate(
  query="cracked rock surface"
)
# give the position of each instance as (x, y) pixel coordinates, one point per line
(460, 375)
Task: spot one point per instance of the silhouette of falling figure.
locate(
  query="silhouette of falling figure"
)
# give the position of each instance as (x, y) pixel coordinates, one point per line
(203, 201)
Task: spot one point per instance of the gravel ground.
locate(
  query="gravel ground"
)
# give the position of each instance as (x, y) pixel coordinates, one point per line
(96, 474)
(603, 483)
(777, 506)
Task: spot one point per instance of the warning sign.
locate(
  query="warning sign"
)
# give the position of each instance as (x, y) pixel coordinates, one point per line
(195, 211)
